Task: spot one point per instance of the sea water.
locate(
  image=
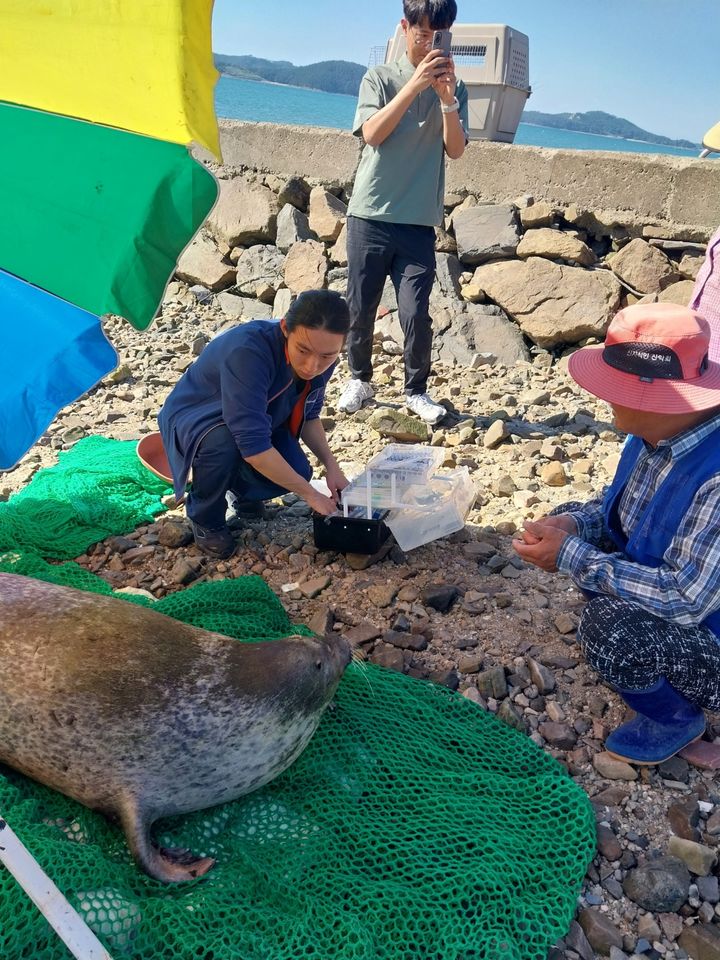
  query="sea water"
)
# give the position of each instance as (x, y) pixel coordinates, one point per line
(275, 103)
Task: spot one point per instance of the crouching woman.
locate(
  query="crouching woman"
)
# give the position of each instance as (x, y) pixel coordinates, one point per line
(234, 421)
(647, 550)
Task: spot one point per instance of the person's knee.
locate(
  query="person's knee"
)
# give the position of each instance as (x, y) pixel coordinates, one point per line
(216, 460)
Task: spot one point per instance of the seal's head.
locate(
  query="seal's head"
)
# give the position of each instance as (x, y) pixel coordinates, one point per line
(317, 664)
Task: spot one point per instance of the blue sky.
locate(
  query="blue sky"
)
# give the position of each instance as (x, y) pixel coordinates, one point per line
(655, 62)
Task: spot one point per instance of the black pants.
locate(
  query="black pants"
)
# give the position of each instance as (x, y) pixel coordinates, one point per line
(219, 467)
(632, 649)
(405, 253)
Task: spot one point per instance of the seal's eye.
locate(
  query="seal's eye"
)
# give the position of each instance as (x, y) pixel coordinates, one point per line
(318, 664)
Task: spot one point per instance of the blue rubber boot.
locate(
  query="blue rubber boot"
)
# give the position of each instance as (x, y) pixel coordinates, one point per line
(665, 723)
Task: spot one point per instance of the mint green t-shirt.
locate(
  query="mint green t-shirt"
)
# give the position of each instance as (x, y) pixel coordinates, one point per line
(402, 180)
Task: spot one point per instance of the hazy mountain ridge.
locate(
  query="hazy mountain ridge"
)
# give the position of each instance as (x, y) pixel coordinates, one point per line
(605, 124)
(344, 76)
(332, 76)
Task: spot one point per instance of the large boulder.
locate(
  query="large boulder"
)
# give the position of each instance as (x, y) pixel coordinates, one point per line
(259, 272)
(690, 265)
(481, 329)
(296, 192)
(244, 308)
(552, 303)
(202, 263)
(555, 245)
(448, 271)
(540, 214)
(444, 312)
(388, 325)
(327, 214)
(292, 226)
(245, 213)
(306, 266)
(282, 302)
(444, 242)
(338, 253)
(485, 232)
(388, 298)
(642, 267)
(680, 293)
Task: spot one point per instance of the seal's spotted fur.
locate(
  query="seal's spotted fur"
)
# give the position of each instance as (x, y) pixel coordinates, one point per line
(140, 716)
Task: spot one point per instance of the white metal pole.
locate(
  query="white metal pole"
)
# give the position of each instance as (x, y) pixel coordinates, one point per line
(63, 918)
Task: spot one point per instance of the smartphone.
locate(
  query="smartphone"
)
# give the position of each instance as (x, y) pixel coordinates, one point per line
(442, 40)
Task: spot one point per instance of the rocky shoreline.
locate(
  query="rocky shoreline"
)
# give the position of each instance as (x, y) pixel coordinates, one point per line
(518, 286)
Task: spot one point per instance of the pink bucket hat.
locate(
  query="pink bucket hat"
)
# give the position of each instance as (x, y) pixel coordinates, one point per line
(655, 358)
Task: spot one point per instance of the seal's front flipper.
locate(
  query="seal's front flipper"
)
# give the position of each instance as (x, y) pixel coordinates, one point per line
(168, 866)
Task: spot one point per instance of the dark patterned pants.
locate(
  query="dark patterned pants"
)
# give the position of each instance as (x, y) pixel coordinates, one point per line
(632, 649)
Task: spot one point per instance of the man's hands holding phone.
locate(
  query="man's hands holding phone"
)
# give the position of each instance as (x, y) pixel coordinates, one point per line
(437, 71)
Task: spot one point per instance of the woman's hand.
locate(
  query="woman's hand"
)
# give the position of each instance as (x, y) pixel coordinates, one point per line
(541, 542)
(336, 481)
(563, 521)
(321, 504)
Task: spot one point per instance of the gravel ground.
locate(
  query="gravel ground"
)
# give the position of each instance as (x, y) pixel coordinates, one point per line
(463, 611)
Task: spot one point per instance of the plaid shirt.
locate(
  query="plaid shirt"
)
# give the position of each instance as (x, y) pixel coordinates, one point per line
(685, 588)
(706, 292)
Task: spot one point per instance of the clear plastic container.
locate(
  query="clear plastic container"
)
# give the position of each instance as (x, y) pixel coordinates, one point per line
(432, 510)
(390, 474)
(411, 463)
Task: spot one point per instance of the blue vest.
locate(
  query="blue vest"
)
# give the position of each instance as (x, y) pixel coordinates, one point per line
(660, 520)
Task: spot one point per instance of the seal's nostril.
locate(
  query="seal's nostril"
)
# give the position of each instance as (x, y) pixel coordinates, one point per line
(318, 664)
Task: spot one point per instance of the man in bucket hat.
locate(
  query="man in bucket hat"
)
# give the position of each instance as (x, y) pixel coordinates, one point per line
(652, 626)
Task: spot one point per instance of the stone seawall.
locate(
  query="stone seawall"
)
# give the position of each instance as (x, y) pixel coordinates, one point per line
(632, 189)
(538, 249)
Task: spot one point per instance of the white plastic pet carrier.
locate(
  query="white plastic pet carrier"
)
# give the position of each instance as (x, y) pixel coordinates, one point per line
(492, 60)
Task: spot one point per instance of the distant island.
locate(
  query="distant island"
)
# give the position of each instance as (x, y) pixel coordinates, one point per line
(344, 76)
(605, 124)
(332, 76)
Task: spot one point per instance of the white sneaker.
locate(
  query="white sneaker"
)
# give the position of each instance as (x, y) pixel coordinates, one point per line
(424, 407)
(354, 395)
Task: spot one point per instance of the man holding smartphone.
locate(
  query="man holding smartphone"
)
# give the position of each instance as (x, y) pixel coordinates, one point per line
(410, 114)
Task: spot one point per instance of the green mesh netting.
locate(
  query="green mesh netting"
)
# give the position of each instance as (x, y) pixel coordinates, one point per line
(97, 489)
(414, 827)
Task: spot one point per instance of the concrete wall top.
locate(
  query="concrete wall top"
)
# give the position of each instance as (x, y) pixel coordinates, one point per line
(316, 152)
(654, 188)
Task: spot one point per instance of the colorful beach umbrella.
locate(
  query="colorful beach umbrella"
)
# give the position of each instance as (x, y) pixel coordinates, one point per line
(99, 100)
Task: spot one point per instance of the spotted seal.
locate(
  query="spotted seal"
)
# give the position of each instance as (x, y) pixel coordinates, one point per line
(141, 716)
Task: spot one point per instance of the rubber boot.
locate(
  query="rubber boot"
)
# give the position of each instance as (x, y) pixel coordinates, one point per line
(665, 722)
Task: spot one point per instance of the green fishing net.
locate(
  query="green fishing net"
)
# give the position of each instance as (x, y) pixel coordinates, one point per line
(414, 827)
(97, 489)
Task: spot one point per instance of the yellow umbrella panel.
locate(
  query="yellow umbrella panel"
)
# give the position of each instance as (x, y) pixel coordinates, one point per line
(142, 65)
